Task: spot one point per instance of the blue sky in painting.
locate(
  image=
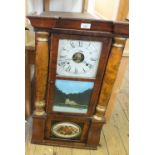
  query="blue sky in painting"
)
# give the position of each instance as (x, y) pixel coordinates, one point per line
(68, 86)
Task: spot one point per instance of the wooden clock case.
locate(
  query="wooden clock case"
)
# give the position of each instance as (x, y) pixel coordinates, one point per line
(50, 27)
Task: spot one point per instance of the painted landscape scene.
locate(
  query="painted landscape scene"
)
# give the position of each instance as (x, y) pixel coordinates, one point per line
(72, 96)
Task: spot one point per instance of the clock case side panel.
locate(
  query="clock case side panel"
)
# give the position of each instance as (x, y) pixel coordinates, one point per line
(106, 42)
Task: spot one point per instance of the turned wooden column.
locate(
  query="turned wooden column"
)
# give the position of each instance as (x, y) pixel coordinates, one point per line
(110, 76)
(41, 71)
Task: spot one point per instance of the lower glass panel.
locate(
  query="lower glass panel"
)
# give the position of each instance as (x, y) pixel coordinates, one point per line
(66, 130)
(72, 96)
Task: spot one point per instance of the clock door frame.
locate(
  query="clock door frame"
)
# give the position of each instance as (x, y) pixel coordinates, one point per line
(106, 44)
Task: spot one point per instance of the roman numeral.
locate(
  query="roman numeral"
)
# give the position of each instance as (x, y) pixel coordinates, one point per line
(84, 70)
(80, 44)
(64, 49)
(63, 56)
(72, 44)
(62, 63)
(88, 45)
(76, 70)
(92, 59)
(88, 65)
(68, 68)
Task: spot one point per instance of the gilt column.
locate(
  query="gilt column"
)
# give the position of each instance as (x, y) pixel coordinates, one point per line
(41, 71)
(110, 77)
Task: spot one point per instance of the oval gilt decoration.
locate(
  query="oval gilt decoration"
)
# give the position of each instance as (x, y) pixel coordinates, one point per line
(66, 130)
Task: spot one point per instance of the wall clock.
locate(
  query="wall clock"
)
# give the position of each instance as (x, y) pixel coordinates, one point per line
(76, 67)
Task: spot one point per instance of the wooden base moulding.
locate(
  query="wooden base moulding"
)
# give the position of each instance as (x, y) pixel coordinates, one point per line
(91, 142)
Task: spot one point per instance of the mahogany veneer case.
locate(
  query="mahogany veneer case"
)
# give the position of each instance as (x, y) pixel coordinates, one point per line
(77, 59)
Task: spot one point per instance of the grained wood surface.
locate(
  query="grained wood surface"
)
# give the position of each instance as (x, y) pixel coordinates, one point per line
(49, 20)
(41, 71)
(114, 136)
(116, 88)
(41, 65)
(110, 75)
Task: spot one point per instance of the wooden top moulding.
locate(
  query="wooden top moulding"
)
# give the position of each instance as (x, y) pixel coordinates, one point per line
(66, 20)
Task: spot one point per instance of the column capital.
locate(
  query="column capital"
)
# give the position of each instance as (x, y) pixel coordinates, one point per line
(42, 36)
(119, 42)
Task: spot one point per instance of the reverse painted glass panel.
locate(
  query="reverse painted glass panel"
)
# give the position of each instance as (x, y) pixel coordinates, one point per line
(72, 96)
(67, 130)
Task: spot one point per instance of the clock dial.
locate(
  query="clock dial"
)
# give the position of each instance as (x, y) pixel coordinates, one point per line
(78, 58)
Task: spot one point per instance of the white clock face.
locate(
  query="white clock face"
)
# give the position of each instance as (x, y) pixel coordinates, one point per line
(78, 58)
